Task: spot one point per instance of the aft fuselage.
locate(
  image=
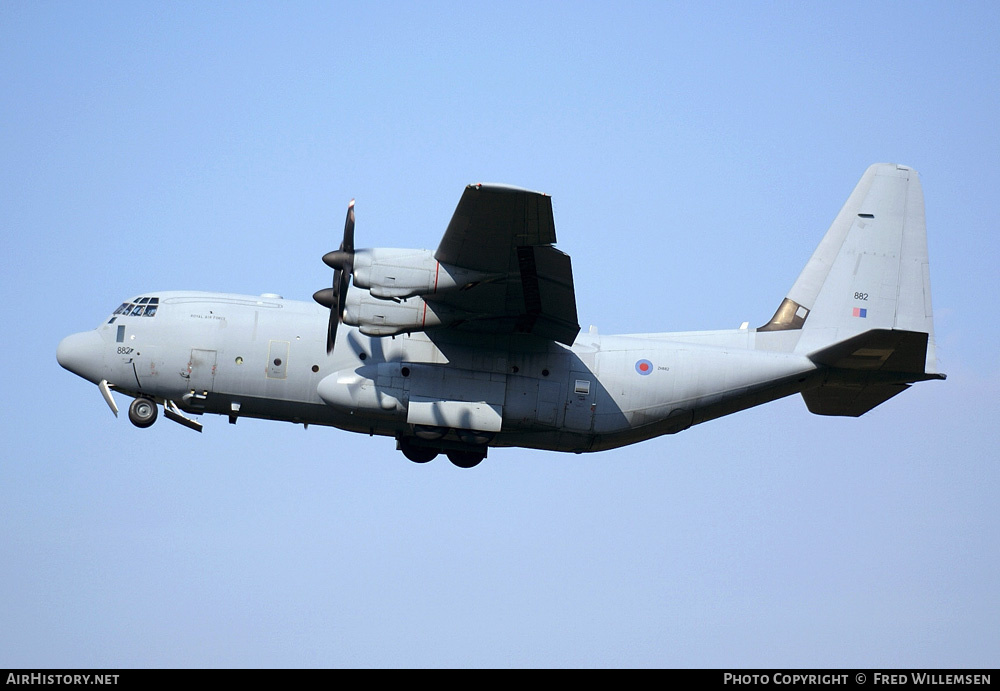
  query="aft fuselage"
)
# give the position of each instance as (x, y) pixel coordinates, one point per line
(265, 357)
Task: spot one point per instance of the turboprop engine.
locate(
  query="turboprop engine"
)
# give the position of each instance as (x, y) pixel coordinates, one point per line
(378, 317)
(401, 273)
(397, 285)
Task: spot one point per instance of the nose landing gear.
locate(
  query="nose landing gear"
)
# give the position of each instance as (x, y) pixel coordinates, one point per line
(142, 412)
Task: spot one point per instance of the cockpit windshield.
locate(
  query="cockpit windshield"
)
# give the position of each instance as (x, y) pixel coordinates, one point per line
(140, 307)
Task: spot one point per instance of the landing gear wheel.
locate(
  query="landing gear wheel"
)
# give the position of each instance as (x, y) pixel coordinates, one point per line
(417, 454)
(142, 412)
(466, 459)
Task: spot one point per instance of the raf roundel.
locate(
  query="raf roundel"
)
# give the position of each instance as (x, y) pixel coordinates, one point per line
(644, 367)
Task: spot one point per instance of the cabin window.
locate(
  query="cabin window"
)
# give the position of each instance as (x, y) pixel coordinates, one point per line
(582, 387)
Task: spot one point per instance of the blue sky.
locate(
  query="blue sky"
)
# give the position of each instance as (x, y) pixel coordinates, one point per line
(695, 155)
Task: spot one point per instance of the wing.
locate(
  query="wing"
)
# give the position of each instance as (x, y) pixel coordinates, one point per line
(508, 233)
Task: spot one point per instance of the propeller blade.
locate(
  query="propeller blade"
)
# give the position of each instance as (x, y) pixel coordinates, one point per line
(342, 263)
(331, 332)
(348, 244)
(335, 310)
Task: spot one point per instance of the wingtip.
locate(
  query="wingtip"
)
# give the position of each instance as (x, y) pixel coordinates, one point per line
(503, 187)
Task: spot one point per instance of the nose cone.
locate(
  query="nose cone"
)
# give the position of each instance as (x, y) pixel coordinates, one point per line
(83, 355)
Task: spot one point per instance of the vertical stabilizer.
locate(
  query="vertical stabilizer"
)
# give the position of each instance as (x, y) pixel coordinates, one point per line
(870, 271)
(862, 305)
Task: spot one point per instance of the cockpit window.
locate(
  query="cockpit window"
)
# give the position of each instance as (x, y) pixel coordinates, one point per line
(140, 307)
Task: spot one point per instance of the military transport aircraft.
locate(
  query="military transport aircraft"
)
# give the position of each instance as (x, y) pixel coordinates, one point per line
(477, 344)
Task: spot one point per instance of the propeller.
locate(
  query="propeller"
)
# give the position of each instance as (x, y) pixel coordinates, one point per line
(342, 263)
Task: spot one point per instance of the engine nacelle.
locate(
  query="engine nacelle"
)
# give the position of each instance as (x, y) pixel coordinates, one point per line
(377, 317)
(400, 273)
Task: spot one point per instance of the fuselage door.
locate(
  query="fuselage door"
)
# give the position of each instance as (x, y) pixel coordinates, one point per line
(201, 367)
(580, 401)
(549, 402)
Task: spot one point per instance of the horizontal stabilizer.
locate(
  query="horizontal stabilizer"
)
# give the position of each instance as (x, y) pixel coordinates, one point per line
(885, 350)
(849, 400)
(867, 370)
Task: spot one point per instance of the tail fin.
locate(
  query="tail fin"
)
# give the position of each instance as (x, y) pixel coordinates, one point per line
(863, 302)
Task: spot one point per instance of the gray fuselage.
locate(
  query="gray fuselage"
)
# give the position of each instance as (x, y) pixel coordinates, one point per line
(265, 357)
